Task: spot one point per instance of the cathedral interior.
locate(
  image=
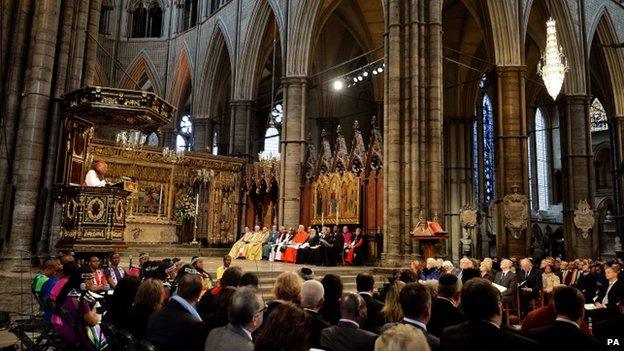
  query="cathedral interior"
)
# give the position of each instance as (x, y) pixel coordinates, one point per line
(379, 114)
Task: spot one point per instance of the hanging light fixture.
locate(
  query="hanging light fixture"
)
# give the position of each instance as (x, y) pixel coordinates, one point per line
(552, 66)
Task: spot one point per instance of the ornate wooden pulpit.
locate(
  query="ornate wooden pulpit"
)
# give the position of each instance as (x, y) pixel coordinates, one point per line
(94, 218)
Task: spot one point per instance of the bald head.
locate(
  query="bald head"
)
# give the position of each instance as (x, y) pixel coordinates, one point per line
(312, 292)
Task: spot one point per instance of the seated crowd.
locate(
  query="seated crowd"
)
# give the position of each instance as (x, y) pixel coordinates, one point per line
(329, 247)
(169, 305)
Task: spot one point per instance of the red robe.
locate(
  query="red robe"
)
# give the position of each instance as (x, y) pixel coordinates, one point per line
(359, 241)
(290, 255)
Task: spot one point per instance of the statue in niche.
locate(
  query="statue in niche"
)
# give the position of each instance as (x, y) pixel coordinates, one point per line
(466, 243)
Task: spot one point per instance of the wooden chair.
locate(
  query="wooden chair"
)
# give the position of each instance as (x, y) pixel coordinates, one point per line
(511, 311)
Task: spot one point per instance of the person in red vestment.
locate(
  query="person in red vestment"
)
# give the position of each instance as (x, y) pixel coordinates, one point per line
(290, 255)
(354, 247)
(348, 237)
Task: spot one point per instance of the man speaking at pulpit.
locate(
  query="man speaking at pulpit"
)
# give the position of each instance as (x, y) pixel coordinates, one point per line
(95, 176)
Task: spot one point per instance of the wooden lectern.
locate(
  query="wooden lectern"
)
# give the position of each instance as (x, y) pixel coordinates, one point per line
(428, 235)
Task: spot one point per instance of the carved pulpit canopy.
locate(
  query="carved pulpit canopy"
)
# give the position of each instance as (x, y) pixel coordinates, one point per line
(125, 109)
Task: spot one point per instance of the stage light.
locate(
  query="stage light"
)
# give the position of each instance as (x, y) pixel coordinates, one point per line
(380, 69)
(375, 72)
(365, 74)
(360, 78)
(338, 84)
(355, 79)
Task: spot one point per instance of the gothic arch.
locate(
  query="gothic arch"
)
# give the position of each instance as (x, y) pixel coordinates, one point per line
(246, 79)
(213, 66)
(99, 77)
(503, 15)
(300, 41)
(603, 28)
(141, 66)
(182, 82)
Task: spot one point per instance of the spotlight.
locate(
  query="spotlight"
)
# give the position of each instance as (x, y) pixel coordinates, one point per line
(365, 74)
(380, 69)
(338, 84)
(375, 71)
(360, 78)
(355, 79)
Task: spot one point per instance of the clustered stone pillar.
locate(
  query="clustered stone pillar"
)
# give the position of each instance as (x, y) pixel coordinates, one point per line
(13, 87)
(32, 125)
(240, 126)
(578, 172)
(292, 149)
(511, 154)
(457, 177)
(413, 170)
(48, 54)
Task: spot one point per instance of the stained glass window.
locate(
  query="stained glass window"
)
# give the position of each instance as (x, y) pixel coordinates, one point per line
(597, 116)
(272, 135)
(215, 144)
(475, 159)
(541, 153)
(488, 149)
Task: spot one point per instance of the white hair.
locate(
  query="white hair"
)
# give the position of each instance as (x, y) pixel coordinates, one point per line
(312, 293)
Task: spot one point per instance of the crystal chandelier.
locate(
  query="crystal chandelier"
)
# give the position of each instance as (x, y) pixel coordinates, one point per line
(552, 66)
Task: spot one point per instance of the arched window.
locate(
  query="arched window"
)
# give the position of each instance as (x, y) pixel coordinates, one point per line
(155, 20)
(272, 134)
(189, 14)
(215, 143)
(185, 133)
(541, 160)
(146, 22)
(139, 21)
(483, 148)
(105, 13)
(597, 116)
(152, 139)
(488, 149)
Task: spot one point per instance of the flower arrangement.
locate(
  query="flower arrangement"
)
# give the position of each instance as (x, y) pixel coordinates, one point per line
(184, 208)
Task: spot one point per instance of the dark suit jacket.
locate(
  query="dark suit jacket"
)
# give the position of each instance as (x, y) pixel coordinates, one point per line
(432, 340)
(563, 336)
(483, 336)
(587, 284)
(510, 281)
(443, 314)
(531, 280)
(374, 317)
(173, 328)
(228, 338)
(347, 337)
(316, 325)
(612, 328)
(616, 291)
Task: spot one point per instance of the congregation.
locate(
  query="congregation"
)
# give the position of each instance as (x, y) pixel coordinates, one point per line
(329, 247)
(479, 305)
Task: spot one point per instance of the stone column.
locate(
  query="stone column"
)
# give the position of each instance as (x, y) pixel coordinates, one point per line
(577, 163)
(458, 170)
(240, 124)
(412, 124)
(292, 149)
(93, 24)
(13, 88)
(202, 135)
(78, 51)
(617, 159)
(511, 153)
(32, 126)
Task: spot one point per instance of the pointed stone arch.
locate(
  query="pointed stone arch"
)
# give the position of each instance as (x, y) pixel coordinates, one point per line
(141, 65)
(246, 79)
(602, 27)
(99, 77)
(217, 47)
(503, 15)
(182, 82)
